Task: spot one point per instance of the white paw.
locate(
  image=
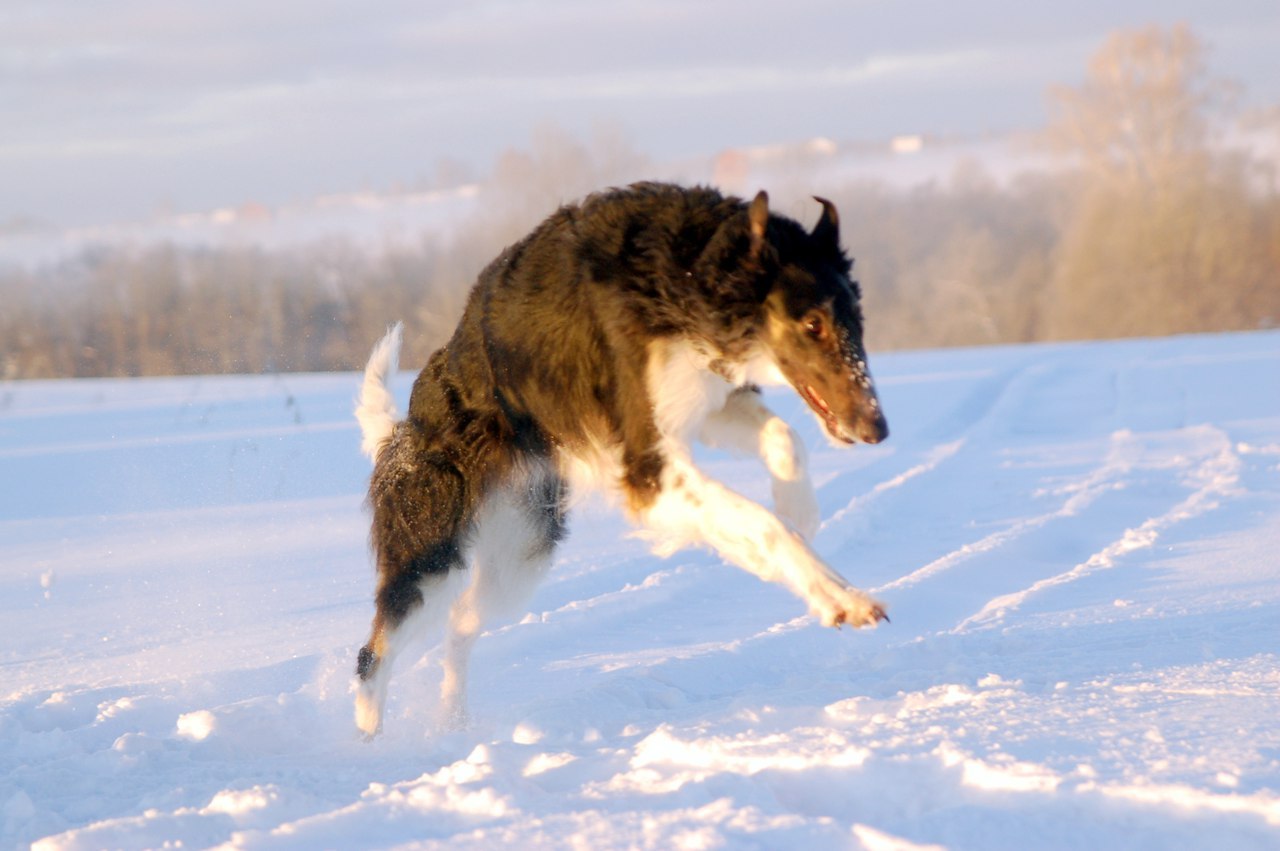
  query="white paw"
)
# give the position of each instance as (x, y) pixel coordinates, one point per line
(836, 605)
(368, 712)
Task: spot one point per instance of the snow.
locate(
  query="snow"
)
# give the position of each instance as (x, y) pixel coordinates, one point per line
(1077, 544)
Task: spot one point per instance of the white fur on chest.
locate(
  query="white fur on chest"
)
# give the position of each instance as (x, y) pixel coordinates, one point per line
(763, 370)
(683, 389)
(684, 392)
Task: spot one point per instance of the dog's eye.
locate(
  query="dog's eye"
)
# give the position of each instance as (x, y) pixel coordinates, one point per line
(815, 327)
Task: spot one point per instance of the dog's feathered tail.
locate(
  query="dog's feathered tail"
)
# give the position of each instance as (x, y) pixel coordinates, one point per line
(376, 410)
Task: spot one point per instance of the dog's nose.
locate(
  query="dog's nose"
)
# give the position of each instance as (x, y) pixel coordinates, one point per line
(873, 430)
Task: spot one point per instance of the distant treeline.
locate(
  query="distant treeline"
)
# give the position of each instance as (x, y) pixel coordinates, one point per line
(1146, 227)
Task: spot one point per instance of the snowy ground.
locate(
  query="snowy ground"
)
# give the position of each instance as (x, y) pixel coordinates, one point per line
(1078, 545)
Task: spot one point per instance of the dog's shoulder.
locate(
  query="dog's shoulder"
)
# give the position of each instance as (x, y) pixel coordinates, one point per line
(676, 258)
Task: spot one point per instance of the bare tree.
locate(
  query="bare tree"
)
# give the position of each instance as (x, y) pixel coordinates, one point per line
(1165, 235)
(1142, 113)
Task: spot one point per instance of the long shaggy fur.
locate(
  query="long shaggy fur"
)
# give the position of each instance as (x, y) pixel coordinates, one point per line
(590, 354)
(376, 411)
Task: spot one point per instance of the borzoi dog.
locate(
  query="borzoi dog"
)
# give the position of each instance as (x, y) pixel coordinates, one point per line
(590, 355)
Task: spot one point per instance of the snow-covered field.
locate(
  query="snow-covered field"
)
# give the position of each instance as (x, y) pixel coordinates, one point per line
(1079, 545)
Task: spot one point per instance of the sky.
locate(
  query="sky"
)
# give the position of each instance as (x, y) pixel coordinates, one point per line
(116, 111)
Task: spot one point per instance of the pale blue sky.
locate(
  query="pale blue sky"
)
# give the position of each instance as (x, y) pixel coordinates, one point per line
(110, 109)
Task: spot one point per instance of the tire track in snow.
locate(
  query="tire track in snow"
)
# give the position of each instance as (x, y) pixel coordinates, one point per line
(1106, 478)
(976, 409)
(983, 406)
(153, 441)
(1217, 476)
(993, 404)
(933, 458)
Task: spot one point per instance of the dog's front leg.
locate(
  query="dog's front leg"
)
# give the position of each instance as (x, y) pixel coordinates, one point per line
(745, 424)
(692, 508)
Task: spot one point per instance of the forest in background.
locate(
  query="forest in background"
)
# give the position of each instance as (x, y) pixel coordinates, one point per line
(1148, 224)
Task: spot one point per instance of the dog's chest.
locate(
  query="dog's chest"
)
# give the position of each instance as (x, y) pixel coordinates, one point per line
(685, 386)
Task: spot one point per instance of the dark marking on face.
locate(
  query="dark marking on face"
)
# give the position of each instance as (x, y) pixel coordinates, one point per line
(814, 328)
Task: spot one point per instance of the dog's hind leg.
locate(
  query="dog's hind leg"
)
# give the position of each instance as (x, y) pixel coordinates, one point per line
(745, 424)
(421, 530)
(393, 632)
(516, 533)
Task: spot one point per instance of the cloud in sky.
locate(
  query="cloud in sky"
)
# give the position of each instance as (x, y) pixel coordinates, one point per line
(112, 108)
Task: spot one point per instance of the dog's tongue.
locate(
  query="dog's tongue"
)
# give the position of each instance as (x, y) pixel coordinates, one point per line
(820, 406)
(816, 401)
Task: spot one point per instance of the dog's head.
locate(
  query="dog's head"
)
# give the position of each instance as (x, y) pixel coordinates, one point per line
(813, 322)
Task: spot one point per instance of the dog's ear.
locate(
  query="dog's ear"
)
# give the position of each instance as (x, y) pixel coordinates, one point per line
(828, 227)
(758, 216)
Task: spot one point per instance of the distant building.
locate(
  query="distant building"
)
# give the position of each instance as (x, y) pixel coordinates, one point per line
(730, 170)
(907, 144)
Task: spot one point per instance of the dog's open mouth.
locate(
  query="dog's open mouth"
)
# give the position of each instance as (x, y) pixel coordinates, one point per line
(822, 409)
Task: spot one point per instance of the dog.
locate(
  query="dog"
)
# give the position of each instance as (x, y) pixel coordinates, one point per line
(589, 357)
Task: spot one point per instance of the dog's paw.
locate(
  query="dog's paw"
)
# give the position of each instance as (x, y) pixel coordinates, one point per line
(368, 713)
(838, 606)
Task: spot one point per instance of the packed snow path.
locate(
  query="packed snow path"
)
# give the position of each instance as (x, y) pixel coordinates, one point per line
(1078, 545)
